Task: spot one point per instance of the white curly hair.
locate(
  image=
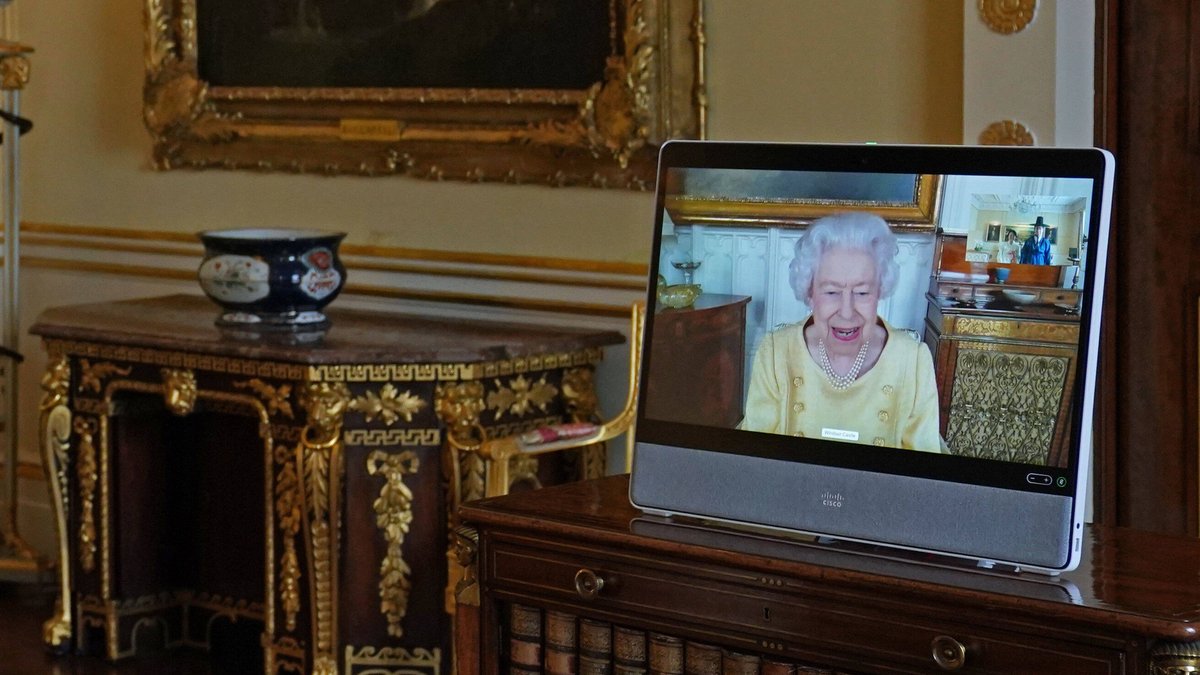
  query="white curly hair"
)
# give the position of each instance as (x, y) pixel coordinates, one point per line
(853, 230)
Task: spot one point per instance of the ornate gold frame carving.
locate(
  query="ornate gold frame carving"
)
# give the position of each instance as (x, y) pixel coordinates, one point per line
(916, 213)
(604, 136)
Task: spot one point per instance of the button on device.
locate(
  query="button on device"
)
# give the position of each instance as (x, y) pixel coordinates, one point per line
(1038, 479)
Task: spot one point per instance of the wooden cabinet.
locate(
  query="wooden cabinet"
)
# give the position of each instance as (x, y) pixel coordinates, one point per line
(697, 362)
(290, 493)
(1002, 381)
(584, 551)
(1004, 354)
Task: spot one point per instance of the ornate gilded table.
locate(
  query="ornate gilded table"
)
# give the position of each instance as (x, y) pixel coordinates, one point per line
(224, 491)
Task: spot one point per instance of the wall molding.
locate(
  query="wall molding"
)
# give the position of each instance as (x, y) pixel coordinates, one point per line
(556, 285)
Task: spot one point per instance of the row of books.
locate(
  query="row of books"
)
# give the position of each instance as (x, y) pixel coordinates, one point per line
(558, 643)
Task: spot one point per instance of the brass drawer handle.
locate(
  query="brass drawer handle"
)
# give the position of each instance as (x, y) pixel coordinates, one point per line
(948, 653)
(588, 584)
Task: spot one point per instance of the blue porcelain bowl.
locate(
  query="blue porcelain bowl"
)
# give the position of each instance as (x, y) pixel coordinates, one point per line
(269, 279)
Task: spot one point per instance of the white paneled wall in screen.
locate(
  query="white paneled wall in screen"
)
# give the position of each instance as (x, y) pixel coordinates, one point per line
(754, 261)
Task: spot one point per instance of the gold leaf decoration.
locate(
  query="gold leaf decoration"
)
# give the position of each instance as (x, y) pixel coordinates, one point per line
(1005, 406)
(1006, 132)
(393, 516)
(579, 393)
(521, 396)
(1007, 16)
(92, 376)
(389, 405)
(88, 477)
(56, 384)
(276, 398)
(459, 405)
(14, 72)
(616, 113)
(179, 390)
(320, 459)
(287, 506)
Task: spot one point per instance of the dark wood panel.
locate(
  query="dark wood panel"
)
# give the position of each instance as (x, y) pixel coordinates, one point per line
(840, 606)
(697, 362)
(1146, 86)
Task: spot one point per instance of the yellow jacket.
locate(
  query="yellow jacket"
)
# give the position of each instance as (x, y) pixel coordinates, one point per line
(893, 404)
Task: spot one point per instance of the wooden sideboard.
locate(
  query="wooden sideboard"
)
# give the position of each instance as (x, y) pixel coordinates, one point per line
(582, 558)
(289, 493)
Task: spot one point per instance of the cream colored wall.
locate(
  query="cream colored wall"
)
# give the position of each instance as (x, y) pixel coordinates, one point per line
(784, 70)
(796, 70)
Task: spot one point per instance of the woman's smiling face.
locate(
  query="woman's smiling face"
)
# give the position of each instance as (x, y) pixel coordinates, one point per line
(845, 299)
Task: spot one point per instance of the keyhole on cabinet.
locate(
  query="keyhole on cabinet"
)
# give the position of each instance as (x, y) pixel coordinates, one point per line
(766, 613)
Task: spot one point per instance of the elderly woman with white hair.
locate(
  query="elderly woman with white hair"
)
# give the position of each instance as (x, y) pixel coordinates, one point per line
(843, 373)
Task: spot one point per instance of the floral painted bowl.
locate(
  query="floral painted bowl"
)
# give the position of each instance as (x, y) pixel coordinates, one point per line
(269, 279)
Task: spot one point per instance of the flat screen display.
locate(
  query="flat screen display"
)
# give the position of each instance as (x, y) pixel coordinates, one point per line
(929, 312)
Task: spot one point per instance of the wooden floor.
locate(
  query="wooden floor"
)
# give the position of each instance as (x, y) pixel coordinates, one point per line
(23, 609)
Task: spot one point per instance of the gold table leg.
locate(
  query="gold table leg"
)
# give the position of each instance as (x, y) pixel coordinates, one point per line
(55, 434)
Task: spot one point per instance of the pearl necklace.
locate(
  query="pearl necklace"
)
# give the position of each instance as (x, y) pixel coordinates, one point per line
(841, 382)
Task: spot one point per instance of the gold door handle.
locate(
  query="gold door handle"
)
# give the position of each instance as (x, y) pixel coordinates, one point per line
(588, 584)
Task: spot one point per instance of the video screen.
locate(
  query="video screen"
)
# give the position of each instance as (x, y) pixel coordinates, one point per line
(930, 313)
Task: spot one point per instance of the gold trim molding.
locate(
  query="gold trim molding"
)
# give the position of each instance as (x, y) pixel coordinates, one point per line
(603, 135)
(1007, 16)
(1010, 329)
(418, 661)
(474, 267)
(401, 372)
(172, 243)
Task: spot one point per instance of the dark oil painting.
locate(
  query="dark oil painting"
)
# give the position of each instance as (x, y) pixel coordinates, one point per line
(525, 44)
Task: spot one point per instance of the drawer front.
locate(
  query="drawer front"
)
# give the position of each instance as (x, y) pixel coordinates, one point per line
(770, 614)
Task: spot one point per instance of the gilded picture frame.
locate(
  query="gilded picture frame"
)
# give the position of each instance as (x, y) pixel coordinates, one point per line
(602, 135)
(795, 199)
